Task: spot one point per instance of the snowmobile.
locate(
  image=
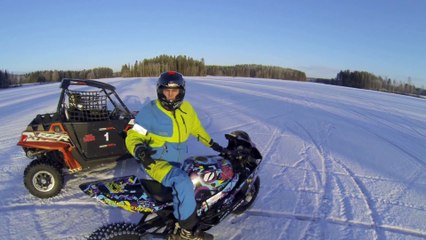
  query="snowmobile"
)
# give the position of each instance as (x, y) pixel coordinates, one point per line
(86, 131)
(223, 184)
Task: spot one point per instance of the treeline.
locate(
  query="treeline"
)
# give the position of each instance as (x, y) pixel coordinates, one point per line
(366, 80)
(55, 76)
(155, 66)
(257, 71)
(191, 67)
(9, 80)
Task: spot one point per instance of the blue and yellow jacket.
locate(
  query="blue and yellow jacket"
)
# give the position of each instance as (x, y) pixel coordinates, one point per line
(166, 132)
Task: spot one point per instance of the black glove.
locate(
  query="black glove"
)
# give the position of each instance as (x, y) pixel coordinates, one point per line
(215, 146)
(143, 152)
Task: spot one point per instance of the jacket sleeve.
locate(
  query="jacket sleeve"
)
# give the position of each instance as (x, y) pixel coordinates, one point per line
(134, 138)
(157, 171)
(198, 130)
(139, 134)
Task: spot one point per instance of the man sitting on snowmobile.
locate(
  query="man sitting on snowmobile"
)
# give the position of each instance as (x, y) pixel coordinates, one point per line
(159, 140)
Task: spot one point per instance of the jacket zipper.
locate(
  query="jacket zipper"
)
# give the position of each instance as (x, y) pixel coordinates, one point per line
(177, 124)
(184, 124)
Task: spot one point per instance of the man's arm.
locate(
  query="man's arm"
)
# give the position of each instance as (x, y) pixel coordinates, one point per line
(133, 139)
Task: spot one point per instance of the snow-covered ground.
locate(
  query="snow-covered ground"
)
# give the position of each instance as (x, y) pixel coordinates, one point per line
(339, 163)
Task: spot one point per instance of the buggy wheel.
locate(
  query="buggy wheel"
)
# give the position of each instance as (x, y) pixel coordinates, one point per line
(117, 231)
(43, 179)
(250, 196)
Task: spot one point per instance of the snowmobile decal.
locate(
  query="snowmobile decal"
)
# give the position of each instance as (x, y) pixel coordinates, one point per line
(124, 192)
(126, 205)
(45, 137)
(211, 172)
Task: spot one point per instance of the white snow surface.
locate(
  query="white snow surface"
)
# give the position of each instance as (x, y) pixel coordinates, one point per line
(339, 163)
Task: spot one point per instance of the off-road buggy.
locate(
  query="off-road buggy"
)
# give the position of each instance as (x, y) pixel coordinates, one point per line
(86, 131)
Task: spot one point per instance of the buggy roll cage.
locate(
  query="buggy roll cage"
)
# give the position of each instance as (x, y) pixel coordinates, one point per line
(106, 88)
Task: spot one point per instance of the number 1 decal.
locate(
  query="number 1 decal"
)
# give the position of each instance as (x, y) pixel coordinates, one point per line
(106, 135)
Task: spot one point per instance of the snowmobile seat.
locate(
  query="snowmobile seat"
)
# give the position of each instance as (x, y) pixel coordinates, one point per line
(155, 189)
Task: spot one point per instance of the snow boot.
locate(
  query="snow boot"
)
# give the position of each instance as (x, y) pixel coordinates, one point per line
(183, 234)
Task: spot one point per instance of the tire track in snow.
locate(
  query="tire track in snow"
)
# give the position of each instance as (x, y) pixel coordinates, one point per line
(266, 153)
(372, 115)
(337, 221)
(399, 193)
(336, 178)
(359, 185)
(237, 88)
(346, 207)
(365, 195)
(229, 109)
(413, 158)
(311, 229)
(338, 195)
(328, 179)
(325, 194)
(302, 201)
(52, 204)
(319, 180)
(308, 103)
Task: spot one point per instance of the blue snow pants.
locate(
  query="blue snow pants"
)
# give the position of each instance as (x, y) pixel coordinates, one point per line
(183, 193)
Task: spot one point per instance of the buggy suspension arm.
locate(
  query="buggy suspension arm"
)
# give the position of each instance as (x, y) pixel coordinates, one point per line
(64, 148)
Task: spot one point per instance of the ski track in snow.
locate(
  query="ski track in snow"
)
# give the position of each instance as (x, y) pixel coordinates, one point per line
(323, 195)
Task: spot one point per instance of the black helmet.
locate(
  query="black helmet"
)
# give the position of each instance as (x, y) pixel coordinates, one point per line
(241, 138)
(171, 80)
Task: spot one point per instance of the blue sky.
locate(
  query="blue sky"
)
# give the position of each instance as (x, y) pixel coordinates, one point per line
(384, 37)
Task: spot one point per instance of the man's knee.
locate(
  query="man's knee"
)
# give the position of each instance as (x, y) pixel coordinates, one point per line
(177, 176)
(159, 170)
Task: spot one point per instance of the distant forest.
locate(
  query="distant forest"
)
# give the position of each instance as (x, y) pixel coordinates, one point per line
(366, 80)
(192, 67)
